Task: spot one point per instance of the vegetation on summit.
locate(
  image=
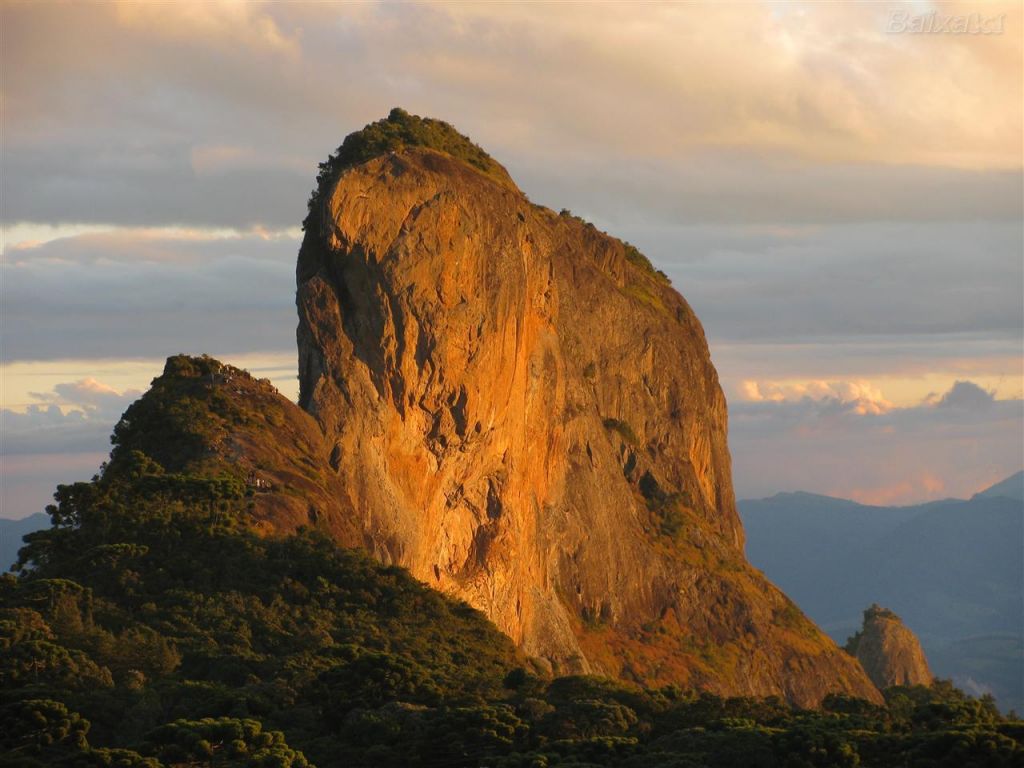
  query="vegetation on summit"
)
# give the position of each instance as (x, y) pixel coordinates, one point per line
(402, 130)
(398, 131)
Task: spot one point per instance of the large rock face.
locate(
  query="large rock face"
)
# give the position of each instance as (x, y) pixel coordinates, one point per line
(525, 414)
(889, 652)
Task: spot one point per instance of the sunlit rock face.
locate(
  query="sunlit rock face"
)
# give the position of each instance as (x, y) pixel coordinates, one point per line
(524, 413)
(889, 651)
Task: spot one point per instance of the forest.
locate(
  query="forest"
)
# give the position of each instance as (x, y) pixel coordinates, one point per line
(150, 626)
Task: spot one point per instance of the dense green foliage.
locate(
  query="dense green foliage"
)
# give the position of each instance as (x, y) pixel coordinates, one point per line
(156, 630)
(150, 610)
(149, 626)
(183, 413)
(398, 131)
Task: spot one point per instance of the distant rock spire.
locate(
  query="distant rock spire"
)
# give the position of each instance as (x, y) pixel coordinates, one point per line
(890, 653)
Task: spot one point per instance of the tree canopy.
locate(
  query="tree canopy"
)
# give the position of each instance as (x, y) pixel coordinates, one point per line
(151, 626)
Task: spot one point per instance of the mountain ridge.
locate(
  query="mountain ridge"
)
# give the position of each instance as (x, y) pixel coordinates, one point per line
(952, 569)
(1011, 488)
(11, 533)
(1008, 488)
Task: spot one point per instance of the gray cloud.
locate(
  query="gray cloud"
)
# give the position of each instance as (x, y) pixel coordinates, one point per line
(101, 182)
(743, 188)
(143, 295)
(881, 279)
(967, 396)
(951, 447)
(107, 106)
(47, 430)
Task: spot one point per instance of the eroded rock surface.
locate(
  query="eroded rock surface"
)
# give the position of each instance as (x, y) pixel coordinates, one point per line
(525, 414)
(889, 651)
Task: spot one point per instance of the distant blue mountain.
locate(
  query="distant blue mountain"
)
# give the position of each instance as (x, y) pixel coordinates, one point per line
(1012, 488)
(952, 569)
(11, 532)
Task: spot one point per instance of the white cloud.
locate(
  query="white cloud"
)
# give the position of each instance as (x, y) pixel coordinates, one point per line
(74, 416)
(950, 446)
(47, 429)
(862, 396)
(87, 398)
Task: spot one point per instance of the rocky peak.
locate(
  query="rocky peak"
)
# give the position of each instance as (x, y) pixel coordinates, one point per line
(397, 132)
(204, 418)
(890, 652)
(524, 413)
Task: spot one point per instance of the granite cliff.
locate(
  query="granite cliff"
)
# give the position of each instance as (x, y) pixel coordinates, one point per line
(889, 651)
(519, 409)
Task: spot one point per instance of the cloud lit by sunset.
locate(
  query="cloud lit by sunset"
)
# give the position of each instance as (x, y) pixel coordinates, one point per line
(839, 202)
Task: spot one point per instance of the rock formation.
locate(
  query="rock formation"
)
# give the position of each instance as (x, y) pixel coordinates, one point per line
(523, 412)
(889, 652)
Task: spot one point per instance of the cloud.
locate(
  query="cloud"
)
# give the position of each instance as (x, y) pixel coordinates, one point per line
(949, 446)
(88, 397)
(879, 279)
(217, 113)
(248, 27)
(151, 186)
(150, 293)
(862, 396)
(828, 83)
(966, 396)
(43, 429)
(73, 417)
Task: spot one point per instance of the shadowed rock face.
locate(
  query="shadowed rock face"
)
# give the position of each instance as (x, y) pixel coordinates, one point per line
(525, 414)
(889, 652)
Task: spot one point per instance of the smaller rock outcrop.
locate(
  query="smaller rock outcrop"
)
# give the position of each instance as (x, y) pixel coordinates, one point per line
(890, 653)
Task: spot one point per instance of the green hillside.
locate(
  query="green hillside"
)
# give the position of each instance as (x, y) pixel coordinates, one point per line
(151, 626)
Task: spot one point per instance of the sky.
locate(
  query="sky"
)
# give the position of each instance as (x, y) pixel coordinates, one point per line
(835, 187)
